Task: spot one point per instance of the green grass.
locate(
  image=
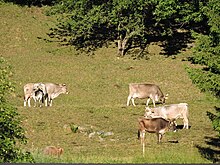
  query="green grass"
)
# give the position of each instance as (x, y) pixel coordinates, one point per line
(98, 90)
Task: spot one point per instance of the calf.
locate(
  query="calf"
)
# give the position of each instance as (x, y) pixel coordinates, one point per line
(170, 112)
(143, 90)
(154, 125)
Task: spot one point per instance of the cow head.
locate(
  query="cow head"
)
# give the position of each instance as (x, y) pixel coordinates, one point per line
(39, 86)
(60, 151)
(63, 88)
(172, 125)
(164, 98)
(148, 112)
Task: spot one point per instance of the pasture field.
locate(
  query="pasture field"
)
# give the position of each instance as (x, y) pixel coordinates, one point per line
(98, 90)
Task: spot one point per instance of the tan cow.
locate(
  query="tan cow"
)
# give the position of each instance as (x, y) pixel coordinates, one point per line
(170, 112)
(53, 151)
(31, 90)
(143, 90)
(53, 91)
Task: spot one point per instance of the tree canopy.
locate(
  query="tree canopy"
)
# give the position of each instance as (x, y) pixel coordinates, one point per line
(89, 24)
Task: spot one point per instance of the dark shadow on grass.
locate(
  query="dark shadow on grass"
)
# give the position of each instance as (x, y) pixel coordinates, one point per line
(211, 153)
(177, 42)
(181, 127)
(30, 3)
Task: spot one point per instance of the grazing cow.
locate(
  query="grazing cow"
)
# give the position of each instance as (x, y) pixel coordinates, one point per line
(53, 151)
(154, 125)
(143, 90)
(53, 91)
(170, 112)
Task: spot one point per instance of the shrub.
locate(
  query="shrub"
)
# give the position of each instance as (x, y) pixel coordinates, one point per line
(11, 133)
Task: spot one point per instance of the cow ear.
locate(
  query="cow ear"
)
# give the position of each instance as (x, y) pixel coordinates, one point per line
(64, 84)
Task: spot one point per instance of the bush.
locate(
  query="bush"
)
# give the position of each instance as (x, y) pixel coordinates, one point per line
(11, 133)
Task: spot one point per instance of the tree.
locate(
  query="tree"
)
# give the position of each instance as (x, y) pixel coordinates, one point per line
(207, 53)
(11, 133)
(215, 118)
(89, 24)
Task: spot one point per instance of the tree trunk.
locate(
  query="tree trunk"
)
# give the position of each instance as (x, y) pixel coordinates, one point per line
(122, 46)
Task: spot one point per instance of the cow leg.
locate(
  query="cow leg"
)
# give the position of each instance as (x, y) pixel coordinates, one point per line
(186, 126)
(128, 100)
(159, 137)
(50, 103)
(46, 102)
(25, 102)
(154, 102)
(35, 101)
(29, 102)
(148, 100)
(143, 142)
(132, 100)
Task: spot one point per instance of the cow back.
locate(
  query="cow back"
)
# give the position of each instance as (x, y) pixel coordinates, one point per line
(54, 90)
(172, 111)
(153, 124)
(28, 88)
(143, 90)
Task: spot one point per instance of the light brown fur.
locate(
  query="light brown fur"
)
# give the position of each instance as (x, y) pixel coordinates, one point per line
(53, 151)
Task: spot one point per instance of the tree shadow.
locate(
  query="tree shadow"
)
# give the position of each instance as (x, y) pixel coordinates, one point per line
(30, 3)
(211, 153)
(177, 42)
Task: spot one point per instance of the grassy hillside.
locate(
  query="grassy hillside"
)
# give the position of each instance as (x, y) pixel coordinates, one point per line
(98, 90)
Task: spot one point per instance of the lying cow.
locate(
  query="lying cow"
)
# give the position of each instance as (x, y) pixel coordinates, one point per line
(53, 151)
(170, 112)
(29, 92)
(143, 90)
(53, 91)
(154, 125)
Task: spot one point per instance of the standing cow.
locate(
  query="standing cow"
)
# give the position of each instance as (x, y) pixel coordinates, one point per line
(29, 92)
(170, 112)
(154, 125)
(143, 90)
(40, 93)
(53, 91)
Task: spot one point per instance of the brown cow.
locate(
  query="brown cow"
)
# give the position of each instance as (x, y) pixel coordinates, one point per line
(154, 125)
(53, 151)
(143, 90)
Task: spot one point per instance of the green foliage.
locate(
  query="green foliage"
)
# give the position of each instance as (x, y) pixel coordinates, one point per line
(215, 118)
(207, 52)
(205, 80)
(91, 24)
(74, 127)
(11, 133)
